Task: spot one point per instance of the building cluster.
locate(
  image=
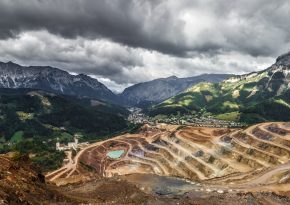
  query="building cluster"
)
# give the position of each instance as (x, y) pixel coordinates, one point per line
(70, 145)
(212, 122)
(200, 122)
(137, 117)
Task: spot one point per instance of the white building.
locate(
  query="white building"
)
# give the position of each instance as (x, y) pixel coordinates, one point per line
(70, 145)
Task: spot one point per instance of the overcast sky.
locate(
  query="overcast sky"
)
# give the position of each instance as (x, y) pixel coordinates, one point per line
(122, 42)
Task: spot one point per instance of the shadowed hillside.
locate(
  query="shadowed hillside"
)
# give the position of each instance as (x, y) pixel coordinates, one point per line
(32, 121)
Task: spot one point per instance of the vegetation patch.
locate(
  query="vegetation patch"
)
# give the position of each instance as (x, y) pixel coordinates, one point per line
(232, 116)
(282, 102)
(17, 137)
(230, 105)
(236, 94)
(24, 116)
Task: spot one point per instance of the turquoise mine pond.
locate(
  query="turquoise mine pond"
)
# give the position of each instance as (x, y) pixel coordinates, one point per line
(115, 154)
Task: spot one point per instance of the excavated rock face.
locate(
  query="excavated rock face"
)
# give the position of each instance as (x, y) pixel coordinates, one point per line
(214, 155)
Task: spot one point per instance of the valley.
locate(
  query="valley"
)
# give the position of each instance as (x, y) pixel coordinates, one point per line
(208, 139)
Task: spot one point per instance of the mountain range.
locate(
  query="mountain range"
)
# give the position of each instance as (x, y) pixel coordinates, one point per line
(158, 90)
(54, 80)
(42, 105)
(254, 97)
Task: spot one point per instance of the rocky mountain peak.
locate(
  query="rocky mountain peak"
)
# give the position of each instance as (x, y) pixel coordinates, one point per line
(81, 75)
(283, 60)
(173, 77)
(86, 78)
(9, 64)
(53, 80)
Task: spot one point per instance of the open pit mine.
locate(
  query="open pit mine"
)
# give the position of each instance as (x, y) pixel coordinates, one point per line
(203, 160)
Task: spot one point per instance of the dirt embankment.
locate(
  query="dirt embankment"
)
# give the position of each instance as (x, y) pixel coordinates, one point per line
(21, 183)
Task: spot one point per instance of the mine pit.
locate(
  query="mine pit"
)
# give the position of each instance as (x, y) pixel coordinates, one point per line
(220, 160)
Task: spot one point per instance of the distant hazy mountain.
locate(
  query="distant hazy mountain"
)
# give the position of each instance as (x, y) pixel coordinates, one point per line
(257, 96)
(156, 91)
(52, 80)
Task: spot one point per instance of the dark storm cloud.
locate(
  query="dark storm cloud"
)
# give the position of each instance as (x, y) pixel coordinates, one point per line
(130, 41)
(249, 26)
(124, 21)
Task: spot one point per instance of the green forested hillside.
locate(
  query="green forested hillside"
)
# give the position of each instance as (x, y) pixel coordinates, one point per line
(32, 121)
(248, 98)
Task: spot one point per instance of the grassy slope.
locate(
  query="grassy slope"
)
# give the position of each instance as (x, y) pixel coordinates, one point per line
(252, 98)
(17, 137)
